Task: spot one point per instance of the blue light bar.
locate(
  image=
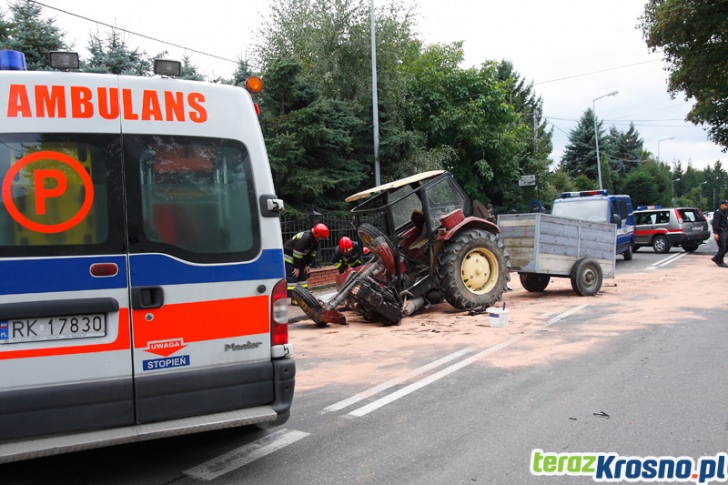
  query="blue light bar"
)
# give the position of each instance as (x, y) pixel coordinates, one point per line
(584, 193)
(12, 61)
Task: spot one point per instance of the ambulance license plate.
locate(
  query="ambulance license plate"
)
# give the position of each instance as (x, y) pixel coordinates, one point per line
(52, 328)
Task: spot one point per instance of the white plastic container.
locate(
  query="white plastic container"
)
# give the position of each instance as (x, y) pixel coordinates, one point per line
(497, 317)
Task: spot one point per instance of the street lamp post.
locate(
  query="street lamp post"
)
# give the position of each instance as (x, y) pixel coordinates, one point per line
(375, 101)
(658, 146)
(596, 135)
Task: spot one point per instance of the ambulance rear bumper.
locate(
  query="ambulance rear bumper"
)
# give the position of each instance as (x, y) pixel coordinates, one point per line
(36, 448)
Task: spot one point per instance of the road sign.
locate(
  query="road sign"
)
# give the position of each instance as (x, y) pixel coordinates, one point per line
(527, 180)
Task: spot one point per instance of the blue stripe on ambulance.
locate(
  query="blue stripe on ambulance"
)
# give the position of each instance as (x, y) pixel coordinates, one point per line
(58, 274)
(33, 275)
(159, 269)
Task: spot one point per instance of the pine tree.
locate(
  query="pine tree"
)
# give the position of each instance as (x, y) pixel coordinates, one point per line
(28, 33)
(580, 155)
(189, 71)
(534, 158)
(112, 55)
(5, 27)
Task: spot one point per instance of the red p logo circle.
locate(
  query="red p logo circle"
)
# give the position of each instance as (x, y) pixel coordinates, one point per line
(43, 192)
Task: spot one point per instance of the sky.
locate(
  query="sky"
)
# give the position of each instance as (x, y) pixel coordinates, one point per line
(574, 51)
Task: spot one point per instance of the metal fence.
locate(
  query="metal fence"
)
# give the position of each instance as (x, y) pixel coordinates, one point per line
(338, 227)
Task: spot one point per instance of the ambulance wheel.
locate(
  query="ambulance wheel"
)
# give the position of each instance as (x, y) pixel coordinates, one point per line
(534, 282)
(379, 244)
(586, 277)
(628, 254)
(309, 304)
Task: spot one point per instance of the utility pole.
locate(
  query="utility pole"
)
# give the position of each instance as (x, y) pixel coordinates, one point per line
(375, 101)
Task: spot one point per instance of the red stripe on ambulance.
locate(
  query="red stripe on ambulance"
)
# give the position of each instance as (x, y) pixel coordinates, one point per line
(201, 321)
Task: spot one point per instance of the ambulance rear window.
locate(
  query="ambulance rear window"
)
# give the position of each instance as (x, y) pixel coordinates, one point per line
(56, 194)
(197, 197)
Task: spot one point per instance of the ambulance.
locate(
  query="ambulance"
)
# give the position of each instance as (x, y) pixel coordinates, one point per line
(142, 290)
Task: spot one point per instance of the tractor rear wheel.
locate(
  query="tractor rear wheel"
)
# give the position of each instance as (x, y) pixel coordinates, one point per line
(473, 270)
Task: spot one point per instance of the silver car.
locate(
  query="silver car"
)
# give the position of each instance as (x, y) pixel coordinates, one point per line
(663, 228)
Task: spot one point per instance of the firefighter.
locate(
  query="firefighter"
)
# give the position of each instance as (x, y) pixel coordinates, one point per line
(347, 255)
(298, 254)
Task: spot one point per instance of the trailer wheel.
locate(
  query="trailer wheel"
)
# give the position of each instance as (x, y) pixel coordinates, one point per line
(660, 244)
(473, 270)
(586, 277)
(309, 304)
(534, 282)
(379, 244)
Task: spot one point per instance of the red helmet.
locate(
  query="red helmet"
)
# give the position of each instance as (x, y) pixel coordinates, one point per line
(320, 231)
(345, 244)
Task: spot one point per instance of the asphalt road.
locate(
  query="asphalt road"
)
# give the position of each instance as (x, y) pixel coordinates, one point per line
(452, 418)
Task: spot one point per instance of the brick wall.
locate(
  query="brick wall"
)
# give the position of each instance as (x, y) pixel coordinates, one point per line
(323, 276)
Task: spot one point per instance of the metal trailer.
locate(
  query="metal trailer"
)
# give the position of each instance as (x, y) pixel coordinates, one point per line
(542, 246)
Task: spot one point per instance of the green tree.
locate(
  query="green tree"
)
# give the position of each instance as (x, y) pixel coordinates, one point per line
(692, 34)
(641, 187)
(331, 40)
(5, 27)
(242, 72)
(625, 152)
(582, 182)
(580, 155)
(469, 111)
(660, 174)
(189, 71)
(28, 33)
(534, 156)
(113, 55)
(310, 140)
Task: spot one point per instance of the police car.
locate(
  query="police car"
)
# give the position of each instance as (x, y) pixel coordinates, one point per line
(142, 291)
(599, 206)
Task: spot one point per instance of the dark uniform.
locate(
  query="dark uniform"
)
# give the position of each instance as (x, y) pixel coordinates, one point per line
(720, 229)
(298, 253)
(351, 260)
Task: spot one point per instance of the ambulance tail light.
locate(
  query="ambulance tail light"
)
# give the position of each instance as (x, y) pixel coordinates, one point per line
(12, 61)
(279, 318)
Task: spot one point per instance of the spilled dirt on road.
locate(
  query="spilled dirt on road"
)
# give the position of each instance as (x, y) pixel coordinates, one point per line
(364, 352)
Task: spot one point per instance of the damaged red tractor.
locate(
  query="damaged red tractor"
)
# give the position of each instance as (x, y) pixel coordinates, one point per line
(426, 246)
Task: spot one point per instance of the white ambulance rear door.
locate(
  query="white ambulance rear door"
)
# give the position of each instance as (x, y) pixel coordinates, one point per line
(64, 320)
(203, 261)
